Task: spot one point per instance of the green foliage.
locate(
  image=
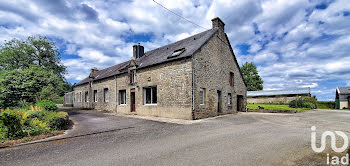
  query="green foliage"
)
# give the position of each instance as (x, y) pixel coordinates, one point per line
(274, 107)
(58, 100)
(15, 124)
(300, 103)
(309, 105)
(251, 77)
(11, 121)
(312, 100)
(47, 105)
(22, 54)
(326, 104)
(30, 70)
(58, 121)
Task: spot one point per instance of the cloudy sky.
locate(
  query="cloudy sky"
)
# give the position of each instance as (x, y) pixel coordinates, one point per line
(294, 43)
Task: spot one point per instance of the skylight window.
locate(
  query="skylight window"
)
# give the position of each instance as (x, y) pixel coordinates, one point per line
(176, 53)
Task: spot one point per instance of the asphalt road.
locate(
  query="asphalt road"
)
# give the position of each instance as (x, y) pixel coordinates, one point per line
(240, 139)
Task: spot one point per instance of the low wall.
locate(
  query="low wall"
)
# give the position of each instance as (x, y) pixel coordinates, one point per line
(273, 99)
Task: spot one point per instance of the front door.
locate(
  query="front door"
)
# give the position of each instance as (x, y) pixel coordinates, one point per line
(132, 102)
(219, 101)
(240, 103)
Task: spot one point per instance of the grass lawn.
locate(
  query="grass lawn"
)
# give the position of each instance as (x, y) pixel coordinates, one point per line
(274, 107)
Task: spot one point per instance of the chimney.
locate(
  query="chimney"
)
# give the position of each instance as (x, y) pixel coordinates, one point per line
(218, 23)
(138, 51)
(93, 70)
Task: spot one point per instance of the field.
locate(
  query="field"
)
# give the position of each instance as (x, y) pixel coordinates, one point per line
(275, 107)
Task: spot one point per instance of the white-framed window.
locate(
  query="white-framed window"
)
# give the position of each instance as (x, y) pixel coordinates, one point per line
(95, 95)
(78, 96)
(105, 94)
(229, 99)
(122, 97)
(86, 96)
(150, 95)
(202, 96)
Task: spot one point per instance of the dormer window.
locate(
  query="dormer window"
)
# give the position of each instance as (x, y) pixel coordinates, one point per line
(176, 53)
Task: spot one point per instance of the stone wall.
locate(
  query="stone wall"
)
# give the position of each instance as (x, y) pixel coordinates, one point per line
(98, 85)
(212, 67)
(344, 104)
(273, 99)
(174, 90)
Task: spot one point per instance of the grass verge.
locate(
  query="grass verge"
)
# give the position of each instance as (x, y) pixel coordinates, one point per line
(275, 107)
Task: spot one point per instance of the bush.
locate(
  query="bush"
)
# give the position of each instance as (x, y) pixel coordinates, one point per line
(309, 105)
(58, 121)
(18, 124)
(47, 105)
(312, 100)
(11, 123)
(37, 114)
(300, 103)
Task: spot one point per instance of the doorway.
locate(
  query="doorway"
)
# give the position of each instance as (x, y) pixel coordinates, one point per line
(132, 102)
(240, 103)
(219, 101)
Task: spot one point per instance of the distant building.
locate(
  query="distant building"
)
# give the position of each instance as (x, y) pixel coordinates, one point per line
(342, 97)
(277, 96)
(193, 78)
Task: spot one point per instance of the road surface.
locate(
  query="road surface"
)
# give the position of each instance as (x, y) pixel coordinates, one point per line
(239, 139)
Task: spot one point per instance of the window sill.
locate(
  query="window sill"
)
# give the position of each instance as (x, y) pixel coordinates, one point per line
(150, 104)
(122, 104)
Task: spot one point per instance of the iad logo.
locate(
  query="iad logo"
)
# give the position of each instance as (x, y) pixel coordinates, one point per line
(335, 160)
(333, 141)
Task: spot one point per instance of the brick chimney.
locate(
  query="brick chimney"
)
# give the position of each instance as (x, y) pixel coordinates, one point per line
(218, 23)
(138, 51)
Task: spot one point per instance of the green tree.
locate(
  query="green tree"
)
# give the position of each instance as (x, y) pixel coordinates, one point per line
(30, 70)
(21, 54)
(28, 85)
(251, 77)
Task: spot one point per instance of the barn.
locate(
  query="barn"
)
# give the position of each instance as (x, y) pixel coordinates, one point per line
(277, 96)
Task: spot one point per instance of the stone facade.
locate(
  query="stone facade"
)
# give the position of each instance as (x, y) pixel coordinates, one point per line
(176, 84)
(212, 67)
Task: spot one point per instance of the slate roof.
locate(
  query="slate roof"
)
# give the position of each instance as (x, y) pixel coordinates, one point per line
(279, 92)
(157, 56)
(343, 92)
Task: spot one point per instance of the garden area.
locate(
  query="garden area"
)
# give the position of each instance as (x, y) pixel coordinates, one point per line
(293, 106)
(26, 122)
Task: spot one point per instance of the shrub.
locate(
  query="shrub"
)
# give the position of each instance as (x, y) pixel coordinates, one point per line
(312, 100)
(300, 103)
(47, 105)
(11, 122)
(58, 120)
(309, 105)
(37, 114)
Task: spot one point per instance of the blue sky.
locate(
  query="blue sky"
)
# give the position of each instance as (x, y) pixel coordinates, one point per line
(294, 43)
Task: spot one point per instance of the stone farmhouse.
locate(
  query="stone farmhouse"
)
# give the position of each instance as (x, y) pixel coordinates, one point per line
(194, 78)
(342, 98)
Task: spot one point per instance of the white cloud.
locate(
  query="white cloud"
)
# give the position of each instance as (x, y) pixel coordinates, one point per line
(313, 85)
(292, 43)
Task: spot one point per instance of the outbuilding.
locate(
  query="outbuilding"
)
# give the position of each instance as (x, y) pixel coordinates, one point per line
(342, 97)
(277, 96)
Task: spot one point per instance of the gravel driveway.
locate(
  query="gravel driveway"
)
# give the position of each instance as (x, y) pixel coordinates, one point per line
(240, 139)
